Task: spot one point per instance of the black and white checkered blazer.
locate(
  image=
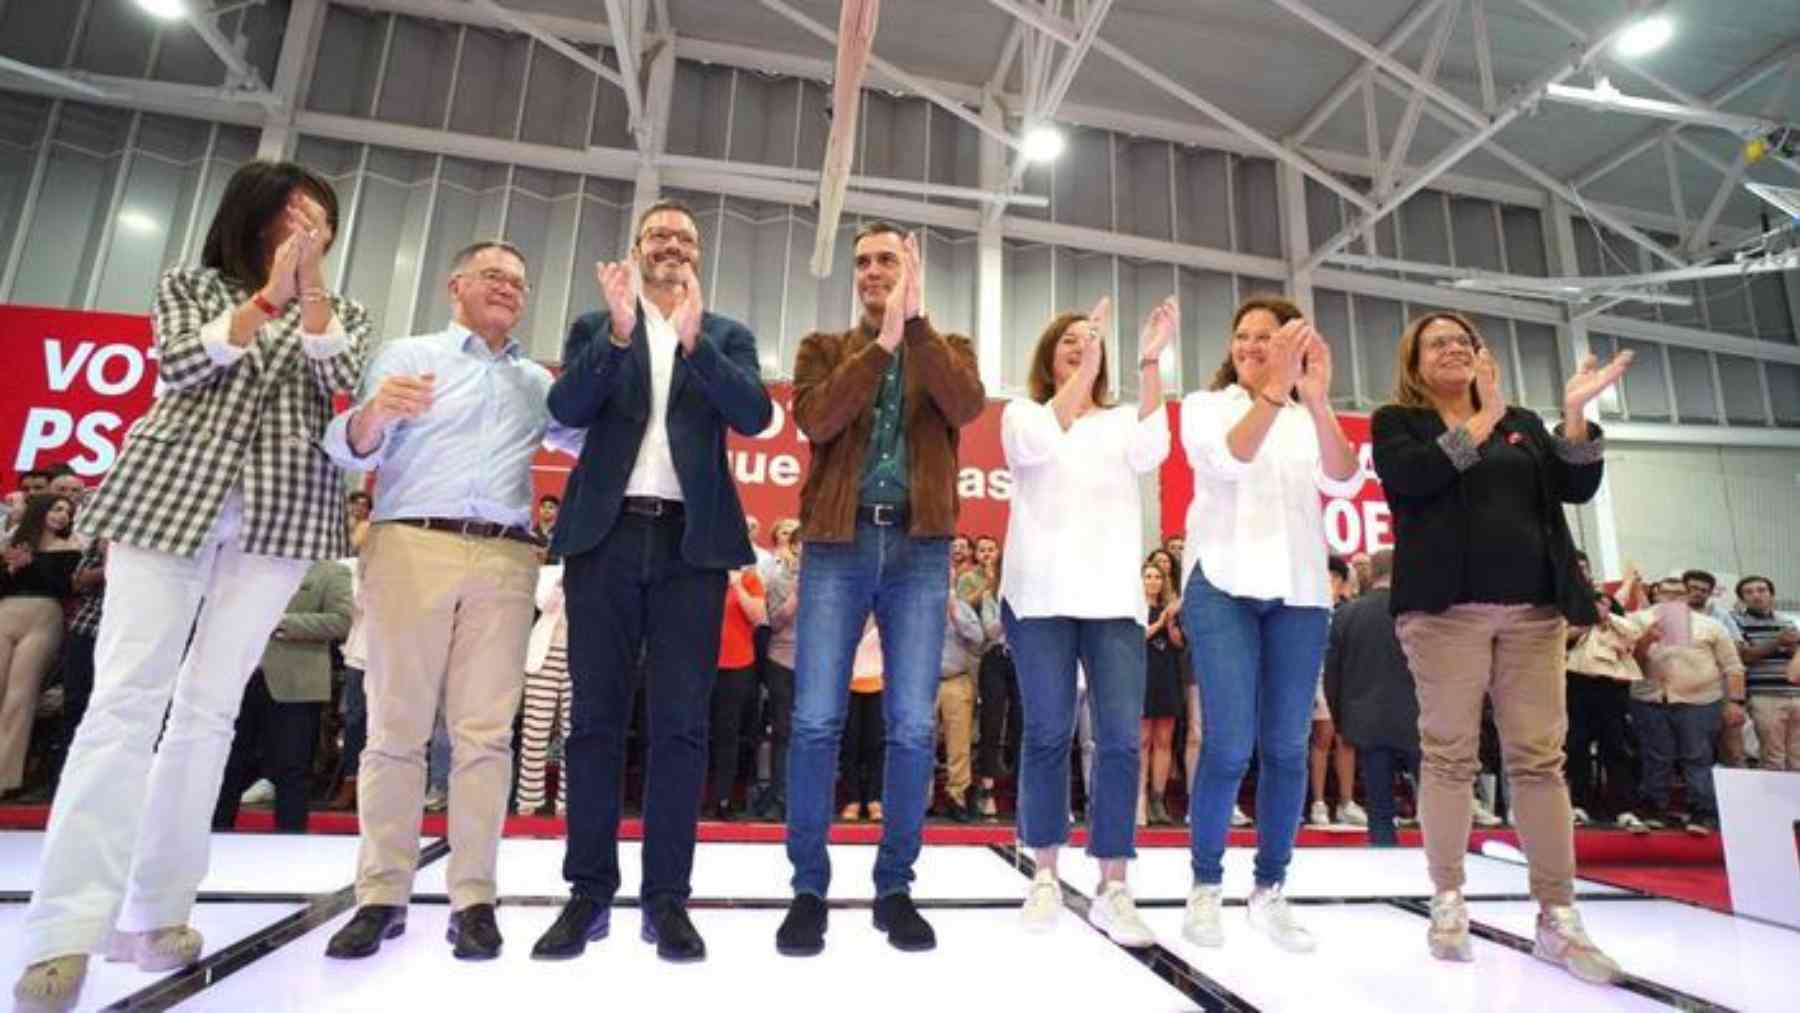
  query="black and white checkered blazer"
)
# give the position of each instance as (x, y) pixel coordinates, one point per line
(254, 425)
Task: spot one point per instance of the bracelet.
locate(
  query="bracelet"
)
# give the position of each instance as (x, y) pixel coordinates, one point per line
(315, 295)
(261, 302)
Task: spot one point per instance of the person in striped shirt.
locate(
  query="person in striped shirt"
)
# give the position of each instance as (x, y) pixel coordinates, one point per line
(1767, 645)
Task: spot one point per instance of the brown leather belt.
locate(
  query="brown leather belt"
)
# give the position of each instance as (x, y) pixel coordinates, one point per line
(472, 528)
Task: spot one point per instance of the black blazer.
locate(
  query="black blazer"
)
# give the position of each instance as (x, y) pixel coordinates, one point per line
(606, 390)
(1431, 530)
(1368, 683)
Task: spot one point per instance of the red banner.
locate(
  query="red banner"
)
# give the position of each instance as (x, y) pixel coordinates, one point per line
(1359, 523)
(73, 382)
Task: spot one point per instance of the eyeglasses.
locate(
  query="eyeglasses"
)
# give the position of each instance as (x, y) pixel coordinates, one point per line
(1439, 342)
(501, 279)
(666, 237)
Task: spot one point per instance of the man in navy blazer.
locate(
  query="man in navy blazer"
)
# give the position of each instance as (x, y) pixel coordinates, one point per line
(650, 527)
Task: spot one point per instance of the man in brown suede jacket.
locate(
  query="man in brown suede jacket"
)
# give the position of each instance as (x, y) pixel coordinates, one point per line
(882, 404)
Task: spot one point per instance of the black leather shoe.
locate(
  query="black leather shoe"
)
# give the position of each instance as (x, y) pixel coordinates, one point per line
(802, 932)
(906, 930)
(583, 920)
(676, 939)
(362, 937)
(473, 932)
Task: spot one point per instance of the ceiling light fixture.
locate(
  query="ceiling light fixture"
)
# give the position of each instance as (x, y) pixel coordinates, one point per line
(1043, 144)
(1645, 37)
(133, 220)
(168, 10)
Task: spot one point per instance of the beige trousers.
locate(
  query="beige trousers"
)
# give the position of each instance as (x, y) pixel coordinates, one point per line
(1777, 721)
(1515, 654)
(446, 616)
(956, 716)
(31, 629)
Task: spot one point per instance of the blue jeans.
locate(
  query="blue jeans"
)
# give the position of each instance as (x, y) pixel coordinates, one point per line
(1044, 654)
(1257, 663)
(905, 582)
(1678, 733)
(1378, 766)
(356, 723)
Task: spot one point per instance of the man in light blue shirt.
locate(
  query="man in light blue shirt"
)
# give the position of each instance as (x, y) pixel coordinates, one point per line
(452, 421)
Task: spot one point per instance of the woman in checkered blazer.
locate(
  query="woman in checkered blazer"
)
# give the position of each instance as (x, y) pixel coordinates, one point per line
(220, 500)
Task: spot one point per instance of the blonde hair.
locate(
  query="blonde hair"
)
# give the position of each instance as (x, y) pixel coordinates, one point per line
(1410, 389)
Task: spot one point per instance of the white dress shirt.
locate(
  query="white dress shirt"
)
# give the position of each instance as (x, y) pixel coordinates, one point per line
(1258, 526)
(1074, 538)
(654, 472)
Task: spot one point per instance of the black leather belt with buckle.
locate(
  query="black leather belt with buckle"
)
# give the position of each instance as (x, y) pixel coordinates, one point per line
(472, 528)
(651, 506)
(882, 515)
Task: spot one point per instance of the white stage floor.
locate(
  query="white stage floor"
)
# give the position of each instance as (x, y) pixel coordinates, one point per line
(272, 901)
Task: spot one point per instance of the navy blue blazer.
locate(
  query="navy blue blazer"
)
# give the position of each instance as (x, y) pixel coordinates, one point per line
(605, 389)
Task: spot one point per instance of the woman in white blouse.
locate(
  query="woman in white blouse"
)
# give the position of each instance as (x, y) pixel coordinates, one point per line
(1070, 593)
(1263, 443)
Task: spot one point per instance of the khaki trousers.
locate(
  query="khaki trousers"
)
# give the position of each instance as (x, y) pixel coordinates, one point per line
(446, 615)
(1513, 653)
(31, 630)
(1777, 721)
(956, 716)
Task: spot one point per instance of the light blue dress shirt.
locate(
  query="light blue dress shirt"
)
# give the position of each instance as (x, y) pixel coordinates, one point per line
(470, 455)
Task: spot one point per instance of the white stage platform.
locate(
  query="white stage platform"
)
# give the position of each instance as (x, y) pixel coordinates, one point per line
(272, 901)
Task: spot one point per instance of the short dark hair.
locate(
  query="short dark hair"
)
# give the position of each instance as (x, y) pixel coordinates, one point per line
(58, 470)
(549, 498)
(33, 473)
(667, 204)
(463, 255)
(1700, 575)
(254, 197)
(1754, 579)
(1339, 568)
(876, 228)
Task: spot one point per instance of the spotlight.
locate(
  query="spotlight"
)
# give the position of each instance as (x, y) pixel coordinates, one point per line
(168, 10)
(1645, 37)
(133, 220)
(1043, 144)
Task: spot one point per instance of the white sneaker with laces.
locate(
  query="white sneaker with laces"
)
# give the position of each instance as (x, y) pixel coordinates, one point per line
(1448, 936)
(1352, 814)
(1629, 821)
(1271, 915)
(1201, 924)
(1116, 914)
(260, 793)
(1562, 940)
(1318, 815)
(1484, 817)
(1043, 903)
(1238, 818)
(1579, 816)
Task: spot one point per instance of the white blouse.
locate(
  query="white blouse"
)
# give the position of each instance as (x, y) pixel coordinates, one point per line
(1074, 539)
(1257, 526)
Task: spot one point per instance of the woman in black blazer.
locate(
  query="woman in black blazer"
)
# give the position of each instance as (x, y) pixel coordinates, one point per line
(1484, 584)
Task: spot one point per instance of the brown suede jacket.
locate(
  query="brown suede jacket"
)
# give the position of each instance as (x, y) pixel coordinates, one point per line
(836, 378)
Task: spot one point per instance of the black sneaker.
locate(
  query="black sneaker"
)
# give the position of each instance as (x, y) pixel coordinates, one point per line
(802, 932)
(363, 935)
(906, 930)
(583, 920)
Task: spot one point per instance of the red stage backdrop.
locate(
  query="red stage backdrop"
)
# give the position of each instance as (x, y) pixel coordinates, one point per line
(1360, 523)
(72, 383)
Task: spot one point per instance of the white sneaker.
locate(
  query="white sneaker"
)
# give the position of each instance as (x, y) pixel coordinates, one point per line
(1448, 936)
(1579, 816)
(1353, 815)
(260, 793)
(1629, 821)
(1043, 903)
(1270, 915)
(1114, 913)
(1318, 815)
(1561, 940)
(1238, 818)
(1484, 817)
(1201, 925)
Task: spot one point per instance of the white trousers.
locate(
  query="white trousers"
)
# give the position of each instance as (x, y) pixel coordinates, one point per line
(98, 842)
